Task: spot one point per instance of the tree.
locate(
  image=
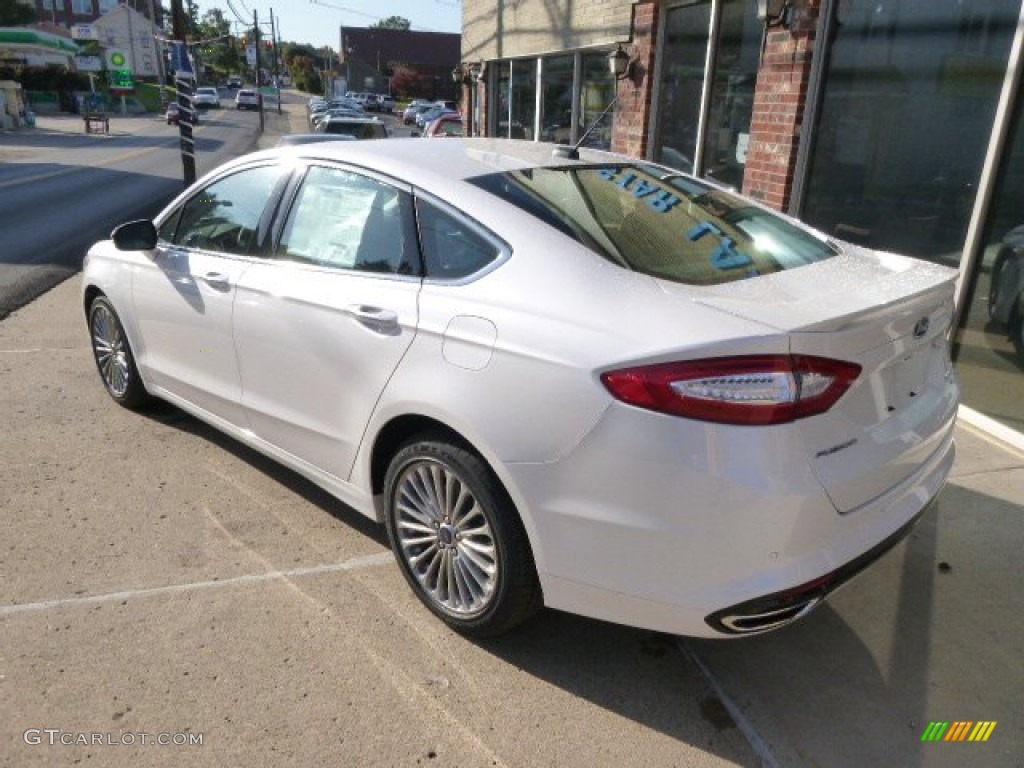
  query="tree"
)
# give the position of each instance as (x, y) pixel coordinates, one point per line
(14, 13)
(217, 48)
(405, 83)
(392, 22)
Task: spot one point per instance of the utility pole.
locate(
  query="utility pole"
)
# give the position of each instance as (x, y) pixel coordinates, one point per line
(277, 68)
(183, 76)
(259, 79)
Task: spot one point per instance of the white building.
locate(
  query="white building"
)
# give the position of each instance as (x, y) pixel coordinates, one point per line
(126, 30)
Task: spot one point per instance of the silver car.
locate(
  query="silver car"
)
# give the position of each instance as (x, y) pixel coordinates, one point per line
(206, 97)
(566, 378)
(1006, 289)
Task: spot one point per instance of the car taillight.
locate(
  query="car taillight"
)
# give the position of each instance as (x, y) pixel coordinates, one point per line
(761, 389)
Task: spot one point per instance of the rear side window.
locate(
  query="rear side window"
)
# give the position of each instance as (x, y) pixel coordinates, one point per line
(451, 247)
(670, 227)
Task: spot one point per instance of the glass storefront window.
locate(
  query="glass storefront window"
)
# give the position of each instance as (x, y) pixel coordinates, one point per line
(909, 97)
(989, 348)
(732, 93)
(556, 99)
(513, 103)
(522, 99)
(682, 80)
(500, 119)
(596, 93)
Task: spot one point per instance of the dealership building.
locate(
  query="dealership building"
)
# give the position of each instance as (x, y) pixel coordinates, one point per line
(889, 123)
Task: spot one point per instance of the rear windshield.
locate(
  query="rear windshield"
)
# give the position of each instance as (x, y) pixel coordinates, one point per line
(667, 226)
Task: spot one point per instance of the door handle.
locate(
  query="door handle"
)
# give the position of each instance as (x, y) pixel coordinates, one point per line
(375, 318)
(218, 281)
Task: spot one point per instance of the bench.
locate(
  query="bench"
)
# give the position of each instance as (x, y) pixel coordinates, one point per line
(96, 122)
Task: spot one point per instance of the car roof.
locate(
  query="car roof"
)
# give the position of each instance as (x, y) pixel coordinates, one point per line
(454, 162)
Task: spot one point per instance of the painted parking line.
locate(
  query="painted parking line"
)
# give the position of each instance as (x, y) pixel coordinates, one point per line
(354, 564)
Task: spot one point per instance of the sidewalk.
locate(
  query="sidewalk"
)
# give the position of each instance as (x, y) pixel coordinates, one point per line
(932, 632)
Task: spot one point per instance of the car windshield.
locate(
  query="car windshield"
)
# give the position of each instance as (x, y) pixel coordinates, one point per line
(667, 226)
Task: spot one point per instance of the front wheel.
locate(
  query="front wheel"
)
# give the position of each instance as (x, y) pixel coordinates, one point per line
(458, 539)
(113, 355)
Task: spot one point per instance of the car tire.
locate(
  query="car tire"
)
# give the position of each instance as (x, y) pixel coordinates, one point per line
(113, 355)
(458, 539)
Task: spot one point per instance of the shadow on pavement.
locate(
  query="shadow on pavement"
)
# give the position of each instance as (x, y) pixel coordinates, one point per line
(920, 637)
(633, 673)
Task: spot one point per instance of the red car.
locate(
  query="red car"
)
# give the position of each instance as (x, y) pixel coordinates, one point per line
(444, 126)
(173, 114)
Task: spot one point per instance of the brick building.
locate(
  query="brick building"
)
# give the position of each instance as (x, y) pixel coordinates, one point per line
(890, 123)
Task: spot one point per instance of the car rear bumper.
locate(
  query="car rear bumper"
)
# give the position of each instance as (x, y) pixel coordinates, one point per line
(707, 549)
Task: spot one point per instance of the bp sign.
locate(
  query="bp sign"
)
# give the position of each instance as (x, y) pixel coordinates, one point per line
(119, 71)
(117, 59)
(121, 80)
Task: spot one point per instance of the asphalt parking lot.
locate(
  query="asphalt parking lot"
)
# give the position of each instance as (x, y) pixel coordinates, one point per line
(169, 597)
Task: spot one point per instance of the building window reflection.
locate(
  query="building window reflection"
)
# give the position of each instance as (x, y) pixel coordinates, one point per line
(556, 99)
(900, 72)
(989, 349)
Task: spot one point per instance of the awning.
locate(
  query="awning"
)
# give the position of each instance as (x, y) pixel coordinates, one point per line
(25, 40)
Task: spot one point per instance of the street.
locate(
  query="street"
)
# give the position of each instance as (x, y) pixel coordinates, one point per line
(61, 190)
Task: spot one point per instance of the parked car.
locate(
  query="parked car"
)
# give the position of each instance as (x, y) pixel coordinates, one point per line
(1006, 289)
(359, 127)
(234, 82)
(567, 378)
(206, 97)
(386, 103)
(410, 112)
(247, 99)
(173, 114)
(430, 115)
(445, 126)
(292, 139)
(320, 115)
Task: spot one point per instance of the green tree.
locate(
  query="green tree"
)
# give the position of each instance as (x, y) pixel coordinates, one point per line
(216, 47)
(14, 13)
(392, 22)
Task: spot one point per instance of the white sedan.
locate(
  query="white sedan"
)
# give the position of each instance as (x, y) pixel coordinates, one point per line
(206, 97)
(593, 384)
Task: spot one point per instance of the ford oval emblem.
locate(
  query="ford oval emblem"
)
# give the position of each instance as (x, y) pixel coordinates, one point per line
(921, 327)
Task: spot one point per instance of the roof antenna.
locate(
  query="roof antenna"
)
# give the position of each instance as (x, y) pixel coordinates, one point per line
(573, 152)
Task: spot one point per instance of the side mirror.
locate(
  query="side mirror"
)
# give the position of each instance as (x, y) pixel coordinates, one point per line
(135, 236)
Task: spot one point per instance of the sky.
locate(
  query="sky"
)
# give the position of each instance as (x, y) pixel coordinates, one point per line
(316, 22)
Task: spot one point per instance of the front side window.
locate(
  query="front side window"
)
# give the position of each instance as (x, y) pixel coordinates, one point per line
(345, 220)
(670, 227)
(226, 216)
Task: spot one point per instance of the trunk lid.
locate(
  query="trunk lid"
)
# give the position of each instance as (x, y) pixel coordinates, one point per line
(887, 313)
